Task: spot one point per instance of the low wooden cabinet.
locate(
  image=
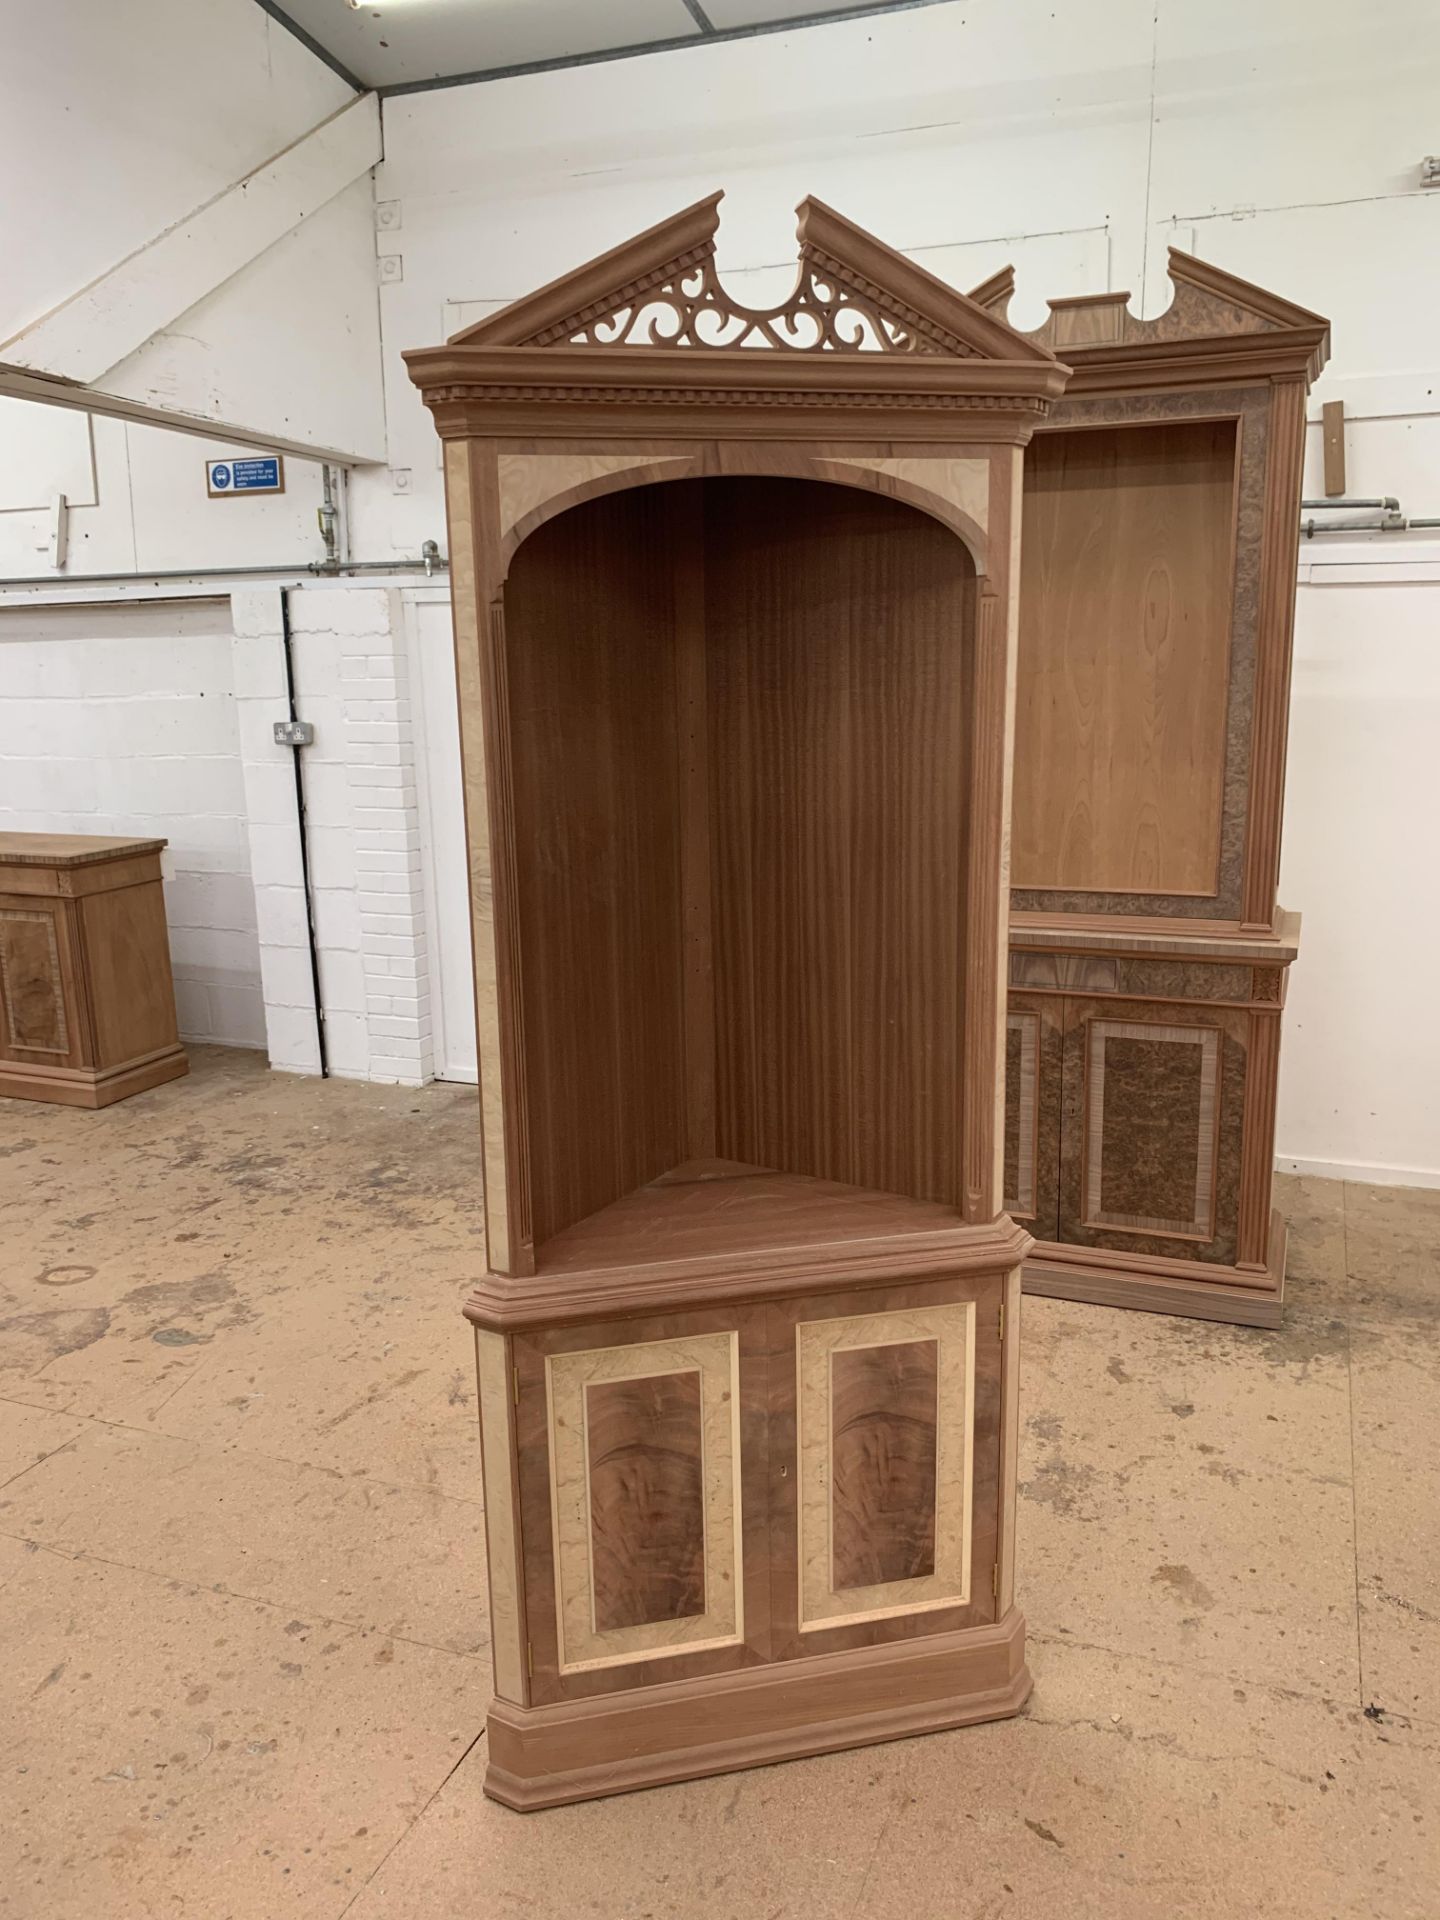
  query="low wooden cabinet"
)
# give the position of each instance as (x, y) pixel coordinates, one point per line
(734, 600)
(729, 1525)
(1140, 1127)
(87, 1004)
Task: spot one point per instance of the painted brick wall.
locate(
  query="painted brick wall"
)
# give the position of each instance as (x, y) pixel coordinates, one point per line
(363, 831)
(122, 720)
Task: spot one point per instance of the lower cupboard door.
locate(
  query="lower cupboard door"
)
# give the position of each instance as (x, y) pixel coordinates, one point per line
(886, 1416)
(40, 1016)
(642, 1467)
(1152, 1127)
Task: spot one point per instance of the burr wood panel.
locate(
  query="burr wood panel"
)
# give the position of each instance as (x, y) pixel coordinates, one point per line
(1124, 658)
(1152, 1129)
(31, 986)
(638, 1544)
(854, 1399)
(883, 1423)
(1156, 1088)
(839, 628)
(645, 1454)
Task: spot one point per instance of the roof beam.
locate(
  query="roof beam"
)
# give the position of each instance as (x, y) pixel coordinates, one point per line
(102, 324)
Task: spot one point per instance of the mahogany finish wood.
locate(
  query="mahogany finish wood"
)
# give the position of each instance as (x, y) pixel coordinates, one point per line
(1124, 658)
(1162, 510)
(87, 1003)
(735, 617)
(597, 840)
(839, 720)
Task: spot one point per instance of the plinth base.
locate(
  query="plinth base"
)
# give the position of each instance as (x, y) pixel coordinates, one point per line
(91, 1086)
(1201, 1291)
(615, 1743)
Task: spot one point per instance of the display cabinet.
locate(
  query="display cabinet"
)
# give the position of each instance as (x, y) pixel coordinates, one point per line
(735, 601)
(1148, 956)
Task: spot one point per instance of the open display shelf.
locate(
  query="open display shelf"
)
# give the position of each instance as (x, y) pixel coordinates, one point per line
(735, 613)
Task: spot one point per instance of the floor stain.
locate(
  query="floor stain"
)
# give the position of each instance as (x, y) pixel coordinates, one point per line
(60, 1331)
(1183, 1584)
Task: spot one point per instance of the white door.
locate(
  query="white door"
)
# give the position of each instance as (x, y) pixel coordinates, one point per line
(442, 832)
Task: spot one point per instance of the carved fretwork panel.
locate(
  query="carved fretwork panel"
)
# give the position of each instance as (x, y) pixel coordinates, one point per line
(829, 311)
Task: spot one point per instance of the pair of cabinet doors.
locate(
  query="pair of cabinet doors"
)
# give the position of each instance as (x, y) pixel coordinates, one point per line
(1124, 1123)
(710, 1490)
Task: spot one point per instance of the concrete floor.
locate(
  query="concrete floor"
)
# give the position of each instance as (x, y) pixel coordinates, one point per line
(245, 1666)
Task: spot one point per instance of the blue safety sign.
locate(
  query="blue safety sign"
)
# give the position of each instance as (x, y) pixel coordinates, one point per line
(265, 474)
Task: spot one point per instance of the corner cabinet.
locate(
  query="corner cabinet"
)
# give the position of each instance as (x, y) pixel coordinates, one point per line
(1160, 524)
(735, 600)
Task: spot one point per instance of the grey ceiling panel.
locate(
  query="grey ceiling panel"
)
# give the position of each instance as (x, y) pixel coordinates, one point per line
(399, 42)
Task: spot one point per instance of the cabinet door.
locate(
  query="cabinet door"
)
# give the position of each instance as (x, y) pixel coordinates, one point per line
(643, 1482)
(1034, 1026)
(704, 1491)
(1152, 1127)
(40, 1014)
(885, 1464)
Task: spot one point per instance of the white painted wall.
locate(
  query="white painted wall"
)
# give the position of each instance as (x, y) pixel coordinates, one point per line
(1360, 1079)
(122, 720)
(138, 499)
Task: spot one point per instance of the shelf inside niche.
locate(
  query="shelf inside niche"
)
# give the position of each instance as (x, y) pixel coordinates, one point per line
(717, 1209)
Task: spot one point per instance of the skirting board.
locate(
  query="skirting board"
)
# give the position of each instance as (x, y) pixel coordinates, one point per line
(615, 1743)
(1156, 1286)
(1360, 1172)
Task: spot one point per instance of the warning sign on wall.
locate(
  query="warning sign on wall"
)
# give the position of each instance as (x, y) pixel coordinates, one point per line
(264, 474)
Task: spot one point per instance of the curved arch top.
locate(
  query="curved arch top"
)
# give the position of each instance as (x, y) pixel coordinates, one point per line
(536, 487)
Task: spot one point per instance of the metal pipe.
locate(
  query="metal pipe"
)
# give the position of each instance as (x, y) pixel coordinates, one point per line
(298, 569)
(1389, 504)
(1385, 523)
(308, 889)
(328, 515)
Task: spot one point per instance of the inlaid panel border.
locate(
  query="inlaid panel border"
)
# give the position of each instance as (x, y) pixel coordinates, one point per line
(1201, 1225)
(507, 1638)
(1027, 1119)
(952, 1327)
(581, 1646)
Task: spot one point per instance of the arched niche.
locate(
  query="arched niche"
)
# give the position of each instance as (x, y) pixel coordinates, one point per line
(533, 488)
(738, 717)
